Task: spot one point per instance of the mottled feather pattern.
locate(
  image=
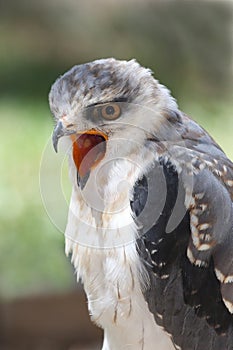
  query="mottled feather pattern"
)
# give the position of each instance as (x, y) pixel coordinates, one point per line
(208, 224)
(172, 286)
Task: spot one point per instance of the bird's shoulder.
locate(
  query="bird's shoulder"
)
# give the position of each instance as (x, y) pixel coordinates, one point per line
(186, 239)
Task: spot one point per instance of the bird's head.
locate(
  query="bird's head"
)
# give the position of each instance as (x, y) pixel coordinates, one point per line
(105, 100)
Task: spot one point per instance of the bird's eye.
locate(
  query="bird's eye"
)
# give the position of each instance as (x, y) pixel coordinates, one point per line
(110, 111)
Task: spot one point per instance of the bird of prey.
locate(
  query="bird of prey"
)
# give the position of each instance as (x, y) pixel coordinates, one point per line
(150, 223)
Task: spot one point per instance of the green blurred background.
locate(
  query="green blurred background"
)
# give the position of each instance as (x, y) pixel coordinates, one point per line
(188, 45)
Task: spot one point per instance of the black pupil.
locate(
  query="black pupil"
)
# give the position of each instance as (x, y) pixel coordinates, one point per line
(110, 110)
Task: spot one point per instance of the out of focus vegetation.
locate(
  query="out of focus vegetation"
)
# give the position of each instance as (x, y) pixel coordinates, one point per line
(187, 44)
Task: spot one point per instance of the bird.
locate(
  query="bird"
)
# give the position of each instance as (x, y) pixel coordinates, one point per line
(150, 222)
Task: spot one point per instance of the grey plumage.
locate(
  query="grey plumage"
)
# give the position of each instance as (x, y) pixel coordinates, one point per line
(179, 194)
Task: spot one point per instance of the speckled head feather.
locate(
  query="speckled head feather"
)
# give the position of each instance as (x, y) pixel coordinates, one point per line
(106, 80)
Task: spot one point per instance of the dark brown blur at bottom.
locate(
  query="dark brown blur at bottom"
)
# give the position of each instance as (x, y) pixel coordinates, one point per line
(54, 322)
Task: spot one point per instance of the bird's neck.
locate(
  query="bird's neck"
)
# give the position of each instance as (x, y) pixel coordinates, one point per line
(100, 214)
(102, 209)
(101, 235)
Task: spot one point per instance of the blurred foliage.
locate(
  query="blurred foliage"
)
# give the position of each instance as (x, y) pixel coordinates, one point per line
(187, 44)
(31, 249)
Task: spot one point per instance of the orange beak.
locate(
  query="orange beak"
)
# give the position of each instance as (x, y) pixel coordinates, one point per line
(89, 148)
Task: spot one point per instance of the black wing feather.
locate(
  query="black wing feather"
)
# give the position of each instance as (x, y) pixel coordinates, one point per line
(185, 299)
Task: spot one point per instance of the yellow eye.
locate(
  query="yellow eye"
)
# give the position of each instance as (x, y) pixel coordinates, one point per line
(110, 111)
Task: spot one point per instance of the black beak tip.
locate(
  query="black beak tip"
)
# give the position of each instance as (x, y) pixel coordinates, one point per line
(55, 141)
(57, 133)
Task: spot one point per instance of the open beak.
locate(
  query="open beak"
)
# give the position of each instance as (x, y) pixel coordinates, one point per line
(89, 149)
(59, 131)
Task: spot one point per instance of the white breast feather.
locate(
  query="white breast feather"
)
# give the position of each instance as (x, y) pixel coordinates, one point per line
(104, 254)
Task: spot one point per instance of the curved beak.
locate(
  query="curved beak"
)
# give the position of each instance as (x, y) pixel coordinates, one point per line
(59, 131)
